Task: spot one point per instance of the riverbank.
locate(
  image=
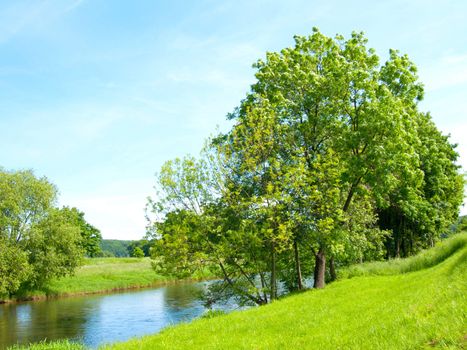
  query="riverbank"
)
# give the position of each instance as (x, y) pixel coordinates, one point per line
(419, 302)
(413, 303)
(103, 275)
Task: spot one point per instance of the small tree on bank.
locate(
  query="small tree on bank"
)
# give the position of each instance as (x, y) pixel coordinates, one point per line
(38, 241)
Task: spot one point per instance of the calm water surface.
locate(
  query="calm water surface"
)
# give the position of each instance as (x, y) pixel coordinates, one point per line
(95, 320)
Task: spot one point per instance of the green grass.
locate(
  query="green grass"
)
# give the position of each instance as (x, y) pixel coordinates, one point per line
(398, 309)
(100, 275)
(423, 260)
(416, 303)
(107, 274)
(58, 345)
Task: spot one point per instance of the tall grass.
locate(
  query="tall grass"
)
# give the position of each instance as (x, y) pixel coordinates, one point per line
(423, 260)
(57, 345)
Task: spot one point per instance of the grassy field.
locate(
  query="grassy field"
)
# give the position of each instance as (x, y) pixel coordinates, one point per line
(100, 275)
(415, 303)
(107, 274)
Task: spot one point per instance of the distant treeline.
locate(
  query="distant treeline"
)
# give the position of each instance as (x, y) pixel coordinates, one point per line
(124, 248)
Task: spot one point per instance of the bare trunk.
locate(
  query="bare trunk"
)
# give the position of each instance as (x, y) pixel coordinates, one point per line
(404, 249)
(398, 247)
(273, 273)
(297, 266)
(332, 269)
(320, 269)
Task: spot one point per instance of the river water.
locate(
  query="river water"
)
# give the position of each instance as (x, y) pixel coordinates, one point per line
(98, 319)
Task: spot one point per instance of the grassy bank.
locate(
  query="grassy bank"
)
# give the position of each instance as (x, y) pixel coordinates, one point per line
(426, 308)
(101, 275)
(416, 303)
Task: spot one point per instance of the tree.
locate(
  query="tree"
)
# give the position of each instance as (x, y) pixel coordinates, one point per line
(331, 97)
(38, 241)
(14, 268)
(461, 224)
(24, 201)
(137, 253)
(115, 247)
(326, 145)
(55, 248)
(143, 244)
(90, 236)
(418, 214)
(197, 228)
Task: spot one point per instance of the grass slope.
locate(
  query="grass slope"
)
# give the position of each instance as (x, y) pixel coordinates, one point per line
(425, 308)
(415, 303)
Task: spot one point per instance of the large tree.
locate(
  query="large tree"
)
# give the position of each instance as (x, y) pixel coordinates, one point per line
(327, 144)
(335, 103)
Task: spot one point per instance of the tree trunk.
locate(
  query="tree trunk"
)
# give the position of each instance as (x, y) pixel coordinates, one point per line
(320, 269)
(297, 266)
(398, 247)
(332, 269)
(273, 273)
(404, 248)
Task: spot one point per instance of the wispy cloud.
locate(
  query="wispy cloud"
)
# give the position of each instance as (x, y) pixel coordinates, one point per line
(20, 16)
(74, 5)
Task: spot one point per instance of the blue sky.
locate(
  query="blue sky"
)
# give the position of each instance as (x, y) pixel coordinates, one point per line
(96, 94)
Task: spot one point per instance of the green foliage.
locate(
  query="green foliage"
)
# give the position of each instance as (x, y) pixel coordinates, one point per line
(461, 224)
(90, 236)
(418, 215)
(24, 201)
(137, 253)
(54, 247)
(143, 244)
(328, 159)
(14, 268)
(115, 247)
(38, 241)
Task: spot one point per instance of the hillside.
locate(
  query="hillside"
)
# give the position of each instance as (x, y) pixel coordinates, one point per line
(403, 304)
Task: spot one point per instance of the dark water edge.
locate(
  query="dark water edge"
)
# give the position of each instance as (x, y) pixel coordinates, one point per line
(98, 319)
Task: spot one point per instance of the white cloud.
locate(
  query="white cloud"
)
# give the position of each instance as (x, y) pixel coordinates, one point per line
(116, 216)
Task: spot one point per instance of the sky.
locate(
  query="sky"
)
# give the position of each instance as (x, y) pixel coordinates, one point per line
(96, 95)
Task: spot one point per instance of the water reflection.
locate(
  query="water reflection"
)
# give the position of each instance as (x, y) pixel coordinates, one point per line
(95, 320)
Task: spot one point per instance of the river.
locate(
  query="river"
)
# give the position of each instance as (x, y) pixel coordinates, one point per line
(98, 319)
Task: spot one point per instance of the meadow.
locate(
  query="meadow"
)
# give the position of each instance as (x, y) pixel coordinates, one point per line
(104, 275)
